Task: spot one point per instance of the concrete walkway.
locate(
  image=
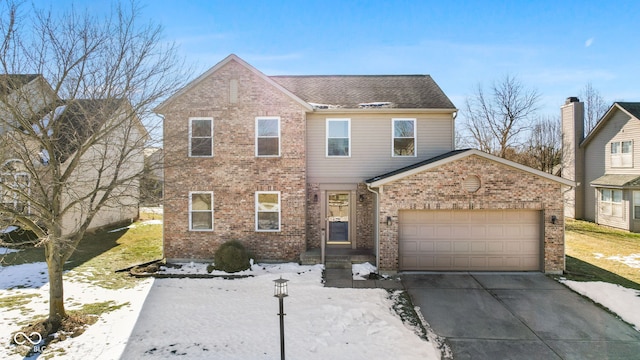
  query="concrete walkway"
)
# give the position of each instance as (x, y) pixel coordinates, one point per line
(518, 316)
(342, 278)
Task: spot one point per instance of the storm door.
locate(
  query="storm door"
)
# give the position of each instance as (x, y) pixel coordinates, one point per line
(338, 217)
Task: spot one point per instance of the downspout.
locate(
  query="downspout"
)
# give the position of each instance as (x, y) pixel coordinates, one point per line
(376, 226)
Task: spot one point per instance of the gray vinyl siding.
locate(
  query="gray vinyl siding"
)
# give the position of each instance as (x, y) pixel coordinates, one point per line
(620, 127)
(371, 139)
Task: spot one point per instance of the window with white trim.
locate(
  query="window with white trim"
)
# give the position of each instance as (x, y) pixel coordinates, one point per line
(200, 137)
(339, 137)
(404, 137)
(15, 187)
(201, 211)
(268, 211)
(611, 202)
(268, 136)
(622, 154)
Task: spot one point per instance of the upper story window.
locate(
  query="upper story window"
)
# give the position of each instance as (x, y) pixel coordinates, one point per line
(622, 154)
(268, 136)
(201, 211)
(200, 137)
(404, 137)
(611, 202)
(339, 137)
(268, 211)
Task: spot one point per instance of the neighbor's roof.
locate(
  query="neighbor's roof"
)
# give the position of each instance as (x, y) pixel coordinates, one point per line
(631, 108)
(10, 82)
(453, 156)
(617, 180)
(367, 91)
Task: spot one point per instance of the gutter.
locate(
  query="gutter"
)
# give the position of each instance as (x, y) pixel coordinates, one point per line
(376, 226)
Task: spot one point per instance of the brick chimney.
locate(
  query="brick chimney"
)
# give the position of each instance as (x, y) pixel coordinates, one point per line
(572, 121)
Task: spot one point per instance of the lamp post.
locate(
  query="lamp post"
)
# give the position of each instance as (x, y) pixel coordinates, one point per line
(280, 292)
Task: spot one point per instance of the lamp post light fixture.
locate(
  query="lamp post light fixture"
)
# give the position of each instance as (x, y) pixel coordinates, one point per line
(280, 292)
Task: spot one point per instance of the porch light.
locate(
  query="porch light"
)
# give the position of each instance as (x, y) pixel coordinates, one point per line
(281, 291)
(361, 198)
(315, 197)
(388, 220)
(554, 219)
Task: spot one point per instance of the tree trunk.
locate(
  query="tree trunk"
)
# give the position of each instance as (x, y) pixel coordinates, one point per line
(56, 293)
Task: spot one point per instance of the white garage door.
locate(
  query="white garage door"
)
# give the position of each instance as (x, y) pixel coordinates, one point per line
(459, 240)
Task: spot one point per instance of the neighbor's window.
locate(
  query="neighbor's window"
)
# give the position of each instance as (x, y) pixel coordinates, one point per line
(622, 154)
(404, 137)
(200, 137)
(15, 187)
(268, 136)
(338, 137)
(268, 211)
(201, 211)
(611, 202)
(636, 205)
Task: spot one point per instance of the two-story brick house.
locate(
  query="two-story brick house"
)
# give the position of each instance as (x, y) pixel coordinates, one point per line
(295, 164)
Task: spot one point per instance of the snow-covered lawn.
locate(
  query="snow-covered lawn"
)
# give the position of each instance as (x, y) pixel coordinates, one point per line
(220, 319)
(237, 319)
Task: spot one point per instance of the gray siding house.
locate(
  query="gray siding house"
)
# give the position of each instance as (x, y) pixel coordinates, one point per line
(605, 165)
(304, 168)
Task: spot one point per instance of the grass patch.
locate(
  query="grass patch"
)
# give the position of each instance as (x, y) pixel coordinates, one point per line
(16, 301)
(403, 306)
(588, 247)
(100, 308)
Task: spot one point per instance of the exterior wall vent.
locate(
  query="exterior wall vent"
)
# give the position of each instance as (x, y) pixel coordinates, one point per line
(471, 183)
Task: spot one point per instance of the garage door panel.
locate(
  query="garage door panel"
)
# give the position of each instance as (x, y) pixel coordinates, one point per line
(507, 240)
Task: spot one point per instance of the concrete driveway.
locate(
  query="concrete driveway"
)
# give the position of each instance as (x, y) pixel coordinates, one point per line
(518, 316)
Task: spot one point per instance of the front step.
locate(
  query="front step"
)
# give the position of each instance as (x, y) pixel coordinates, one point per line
(337, 262)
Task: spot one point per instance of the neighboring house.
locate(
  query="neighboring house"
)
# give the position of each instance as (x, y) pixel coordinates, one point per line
(605, 165)
(70, 124)
(296, 165)
(153, 179)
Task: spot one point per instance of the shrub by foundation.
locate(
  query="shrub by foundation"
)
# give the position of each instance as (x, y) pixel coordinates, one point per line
(231, 257)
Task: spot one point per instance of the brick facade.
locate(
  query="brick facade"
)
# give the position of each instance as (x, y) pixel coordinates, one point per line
(502, 187)
(234, 173)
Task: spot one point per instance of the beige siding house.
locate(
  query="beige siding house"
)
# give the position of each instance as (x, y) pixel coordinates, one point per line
(606, 165)
(68, 125)
(310, 168)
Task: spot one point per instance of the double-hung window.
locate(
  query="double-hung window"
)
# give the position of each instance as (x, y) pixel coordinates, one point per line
(200, 137)
(15, 187)
(339, 137)
(268, 136)
(611, 202)
(201, 211)
(404, 137)
(622, 154)
(268, 211)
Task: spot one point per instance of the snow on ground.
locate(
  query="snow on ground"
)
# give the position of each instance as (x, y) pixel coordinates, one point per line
(105, 339)
(620, 300)
(237, 319)
(4, 251)
(632, 260)
(221, 319)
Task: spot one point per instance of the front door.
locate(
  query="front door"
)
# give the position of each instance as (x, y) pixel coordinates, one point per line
(338, 218)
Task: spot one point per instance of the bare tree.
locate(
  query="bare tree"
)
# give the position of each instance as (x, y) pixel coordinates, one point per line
(70, 131)
(496, 120)
(544, 149)
(594, 106)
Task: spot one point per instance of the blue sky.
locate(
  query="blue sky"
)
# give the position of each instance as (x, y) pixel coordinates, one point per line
(555, 47)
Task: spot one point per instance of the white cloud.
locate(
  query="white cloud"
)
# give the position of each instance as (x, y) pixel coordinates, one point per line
(588, 42)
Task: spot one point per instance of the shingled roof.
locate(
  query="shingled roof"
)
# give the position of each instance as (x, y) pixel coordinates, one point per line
(367, 91)
(631, 107)
(10, 82)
